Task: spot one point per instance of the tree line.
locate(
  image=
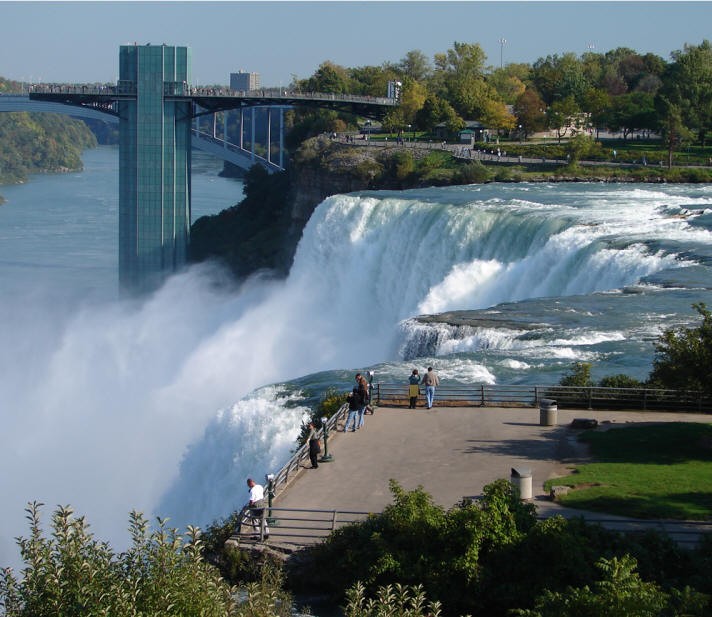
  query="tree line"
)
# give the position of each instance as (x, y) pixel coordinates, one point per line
(39, 142)
(621, 90)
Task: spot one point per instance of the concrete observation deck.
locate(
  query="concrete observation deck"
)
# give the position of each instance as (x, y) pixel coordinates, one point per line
(452, 452)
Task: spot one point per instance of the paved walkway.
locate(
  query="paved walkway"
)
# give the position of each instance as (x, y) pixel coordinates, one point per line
(453, 452)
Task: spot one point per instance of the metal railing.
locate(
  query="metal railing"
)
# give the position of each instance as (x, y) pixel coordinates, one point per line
(483, 395)
(299, 527)
(292, 466)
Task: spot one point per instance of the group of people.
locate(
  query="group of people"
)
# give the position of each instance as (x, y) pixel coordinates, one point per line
(358, 400)
(429, 380)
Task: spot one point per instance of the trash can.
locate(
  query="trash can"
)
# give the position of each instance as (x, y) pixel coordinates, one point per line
(548, 412)
(521, 479)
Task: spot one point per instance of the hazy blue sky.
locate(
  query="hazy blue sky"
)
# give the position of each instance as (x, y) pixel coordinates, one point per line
(79, 41)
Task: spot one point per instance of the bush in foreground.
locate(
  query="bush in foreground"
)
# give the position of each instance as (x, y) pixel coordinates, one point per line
(69, 573)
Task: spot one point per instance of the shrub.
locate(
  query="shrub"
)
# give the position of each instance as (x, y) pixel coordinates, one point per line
(72, 574)
(473, 173)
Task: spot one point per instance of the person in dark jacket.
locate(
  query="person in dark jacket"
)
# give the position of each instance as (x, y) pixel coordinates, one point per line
(314, 447)
(413, 388)
(354, 406)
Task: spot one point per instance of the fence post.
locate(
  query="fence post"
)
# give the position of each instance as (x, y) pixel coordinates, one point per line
(645, 399)
(482, 395)
(590, 396)
(263, 522)
(536, 396)
(333, 520)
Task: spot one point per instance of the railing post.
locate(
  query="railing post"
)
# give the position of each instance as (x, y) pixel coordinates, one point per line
(333, 520)
(645, 399)
(536, 396)
(263, 522)
(590, 397)
(482, 395)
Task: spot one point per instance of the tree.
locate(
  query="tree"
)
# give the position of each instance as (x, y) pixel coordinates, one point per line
(529, 110)
(561, 116)
(683, 356)
(596, 103)
(415, 64)
(579, 375)
(672, 128)
(329, 78)
(688, 84)
(632, 112)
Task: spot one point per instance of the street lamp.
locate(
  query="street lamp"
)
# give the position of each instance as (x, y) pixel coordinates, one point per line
(502, 43)
(327, 458)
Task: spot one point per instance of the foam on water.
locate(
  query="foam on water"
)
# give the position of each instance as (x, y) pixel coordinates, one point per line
(162, 405)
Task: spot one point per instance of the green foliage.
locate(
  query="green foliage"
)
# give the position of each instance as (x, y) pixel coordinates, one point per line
(473, 173)
(579, 375)
(683, 357)
(70, 573)
(40, 142)
(414, 541)
(620, 381)
(619, 593)
(390, 601)
(255, 234)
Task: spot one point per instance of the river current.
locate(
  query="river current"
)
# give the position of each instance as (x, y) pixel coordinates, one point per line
(167, 404)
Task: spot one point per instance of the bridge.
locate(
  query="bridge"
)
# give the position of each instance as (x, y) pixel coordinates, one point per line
(243, 155)
(157, 110)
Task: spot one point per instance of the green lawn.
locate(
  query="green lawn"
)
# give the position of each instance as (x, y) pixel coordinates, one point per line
(659, 471)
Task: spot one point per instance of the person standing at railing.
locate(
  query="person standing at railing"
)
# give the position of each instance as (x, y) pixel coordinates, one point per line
(363, 392)
(413, 388)
(314, 447)
(354, 400)
(430, 381)
(256, 504)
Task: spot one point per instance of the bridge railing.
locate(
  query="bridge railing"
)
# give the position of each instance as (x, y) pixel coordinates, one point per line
(482, 395)
(183, 89)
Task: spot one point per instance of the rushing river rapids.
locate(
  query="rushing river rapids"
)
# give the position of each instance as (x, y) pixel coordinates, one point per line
(168, 404)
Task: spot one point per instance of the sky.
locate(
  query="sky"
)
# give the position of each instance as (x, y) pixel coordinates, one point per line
(79, 41)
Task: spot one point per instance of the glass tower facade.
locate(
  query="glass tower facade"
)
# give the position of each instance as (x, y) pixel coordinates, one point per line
(154, 176)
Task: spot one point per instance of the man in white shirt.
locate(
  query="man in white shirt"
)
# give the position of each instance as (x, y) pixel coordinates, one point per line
(256, 505)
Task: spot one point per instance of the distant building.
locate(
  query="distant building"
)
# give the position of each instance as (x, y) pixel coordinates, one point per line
(245, 81)
(394, 89)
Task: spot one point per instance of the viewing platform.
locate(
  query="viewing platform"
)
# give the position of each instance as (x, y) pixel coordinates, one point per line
(452, 452)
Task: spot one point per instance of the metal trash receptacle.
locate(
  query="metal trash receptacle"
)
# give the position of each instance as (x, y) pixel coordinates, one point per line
(521, 479)
(548, 412)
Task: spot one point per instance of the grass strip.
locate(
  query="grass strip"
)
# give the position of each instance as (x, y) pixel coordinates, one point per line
(652, 471)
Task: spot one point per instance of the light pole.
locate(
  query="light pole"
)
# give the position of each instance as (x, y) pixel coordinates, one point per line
(409, 131)
(520, 133)
(502, 43)
(327, 458)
